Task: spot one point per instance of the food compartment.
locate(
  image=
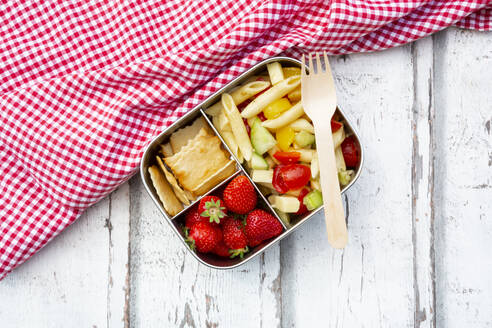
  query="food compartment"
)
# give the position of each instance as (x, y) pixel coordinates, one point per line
(184, 221)
(184, 163)
(281, 138)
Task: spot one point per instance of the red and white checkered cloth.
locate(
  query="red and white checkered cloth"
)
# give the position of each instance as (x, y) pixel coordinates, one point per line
(86, 84)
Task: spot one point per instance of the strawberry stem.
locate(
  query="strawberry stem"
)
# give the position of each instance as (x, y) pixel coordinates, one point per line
(214, 211)
(238, 252)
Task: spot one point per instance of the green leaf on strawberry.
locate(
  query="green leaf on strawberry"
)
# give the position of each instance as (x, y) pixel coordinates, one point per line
(211, 207)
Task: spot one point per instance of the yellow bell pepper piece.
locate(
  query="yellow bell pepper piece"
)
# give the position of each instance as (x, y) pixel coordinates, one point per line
(285, 137)
(276, 108)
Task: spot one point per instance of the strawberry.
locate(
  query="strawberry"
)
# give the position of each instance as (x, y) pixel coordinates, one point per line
(234, 237)
(221, 249)
(211, 207)
(203, 237)
(193, 216)
(253, 242)
(239, 195)
(261, 225)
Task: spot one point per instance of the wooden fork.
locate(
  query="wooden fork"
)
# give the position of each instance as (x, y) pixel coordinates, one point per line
(319, 101)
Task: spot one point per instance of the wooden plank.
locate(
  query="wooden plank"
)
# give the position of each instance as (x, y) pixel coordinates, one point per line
(423, 184)
(170, 287)
(370, 283)
(66, 283)
(80, 278)
(118, 227)
(463, 175)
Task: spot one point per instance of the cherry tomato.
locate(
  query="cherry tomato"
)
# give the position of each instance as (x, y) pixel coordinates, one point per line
(350, 153)
(335, 126)
(243, 105)
(295, 176)
(287, 157)
(248, 129)
(302, 209)
(277, 181)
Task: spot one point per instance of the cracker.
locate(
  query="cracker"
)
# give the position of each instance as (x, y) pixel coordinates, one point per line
(171, 204)
(172, 181)
(189, 195)
(216, 178)
(181, 137)
(167, 150)
(201, 158)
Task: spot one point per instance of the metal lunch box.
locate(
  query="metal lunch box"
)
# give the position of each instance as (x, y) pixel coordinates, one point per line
(177, 221)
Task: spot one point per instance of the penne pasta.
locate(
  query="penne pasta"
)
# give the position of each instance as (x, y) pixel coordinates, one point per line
(275, 72)
(302, 124)
(294, 192)
(258, 78)
(230, 141)
(285, 118)
(272, 151)
(314, 166)
(270, 161)
(237, 125)
(277, 91)
(224, 122)
(306, 155)
(315, 184)
(216, 122)
(295, 95)
(240, 95)
(340, 161)
(240, 156)
(338, 137)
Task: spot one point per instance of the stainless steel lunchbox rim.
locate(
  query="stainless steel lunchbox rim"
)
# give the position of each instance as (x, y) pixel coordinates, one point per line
(198, 107)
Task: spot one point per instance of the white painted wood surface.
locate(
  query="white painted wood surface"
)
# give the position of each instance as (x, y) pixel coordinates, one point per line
(420, 232)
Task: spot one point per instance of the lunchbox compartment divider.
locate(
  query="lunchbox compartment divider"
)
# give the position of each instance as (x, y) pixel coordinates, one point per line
(244, 171)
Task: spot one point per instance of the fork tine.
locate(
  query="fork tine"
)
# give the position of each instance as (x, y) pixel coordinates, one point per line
(318, 64)
(327, 64)
(311, 68)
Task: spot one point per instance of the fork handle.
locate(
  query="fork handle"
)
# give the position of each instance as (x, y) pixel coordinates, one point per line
(336, 227)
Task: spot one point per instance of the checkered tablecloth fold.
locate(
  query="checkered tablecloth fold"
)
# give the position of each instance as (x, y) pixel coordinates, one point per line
(86, 84)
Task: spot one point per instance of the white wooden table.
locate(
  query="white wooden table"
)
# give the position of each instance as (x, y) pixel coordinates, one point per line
(420, 226)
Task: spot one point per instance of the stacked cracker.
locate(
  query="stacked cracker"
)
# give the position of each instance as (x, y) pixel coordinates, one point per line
(195, 164)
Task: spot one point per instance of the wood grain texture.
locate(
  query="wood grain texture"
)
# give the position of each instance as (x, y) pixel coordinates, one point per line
(463, 90)
(79, 279)
(423, 184)
(419, 224)
(65, 282)
(170, 287)
(370, 283)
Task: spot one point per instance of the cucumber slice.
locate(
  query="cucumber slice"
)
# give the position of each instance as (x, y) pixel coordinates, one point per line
(313, 200)
(284, 217)
(304, 139)
(338, 137)
(258, 162)
(344, 176)
(261, 139)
